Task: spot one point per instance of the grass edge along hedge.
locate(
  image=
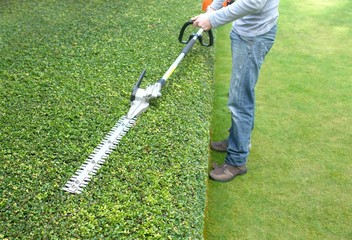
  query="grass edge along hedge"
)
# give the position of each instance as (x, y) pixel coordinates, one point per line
(67, 70)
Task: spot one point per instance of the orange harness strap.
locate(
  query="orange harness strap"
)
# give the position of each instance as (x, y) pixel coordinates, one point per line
(206, 3)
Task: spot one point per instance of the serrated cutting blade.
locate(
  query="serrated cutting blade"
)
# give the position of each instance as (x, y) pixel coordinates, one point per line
(90, 167)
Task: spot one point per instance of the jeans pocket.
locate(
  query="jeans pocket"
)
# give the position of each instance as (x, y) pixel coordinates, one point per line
(248, 40)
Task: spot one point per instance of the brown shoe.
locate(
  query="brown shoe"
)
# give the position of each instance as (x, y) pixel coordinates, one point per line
(226, 172)
(219, 146)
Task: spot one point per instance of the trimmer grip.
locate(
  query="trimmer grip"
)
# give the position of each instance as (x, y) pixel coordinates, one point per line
(211, 39)
(182, 31)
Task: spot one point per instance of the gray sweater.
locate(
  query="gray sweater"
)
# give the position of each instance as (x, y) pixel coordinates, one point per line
(250, 17)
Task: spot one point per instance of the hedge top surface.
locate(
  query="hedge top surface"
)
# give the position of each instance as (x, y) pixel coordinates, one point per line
(67, 70)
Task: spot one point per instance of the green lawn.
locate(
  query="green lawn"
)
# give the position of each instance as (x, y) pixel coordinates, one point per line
(299, 180)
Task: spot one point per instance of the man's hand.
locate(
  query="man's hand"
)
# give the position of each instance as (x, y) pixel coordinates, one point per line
(202, 21)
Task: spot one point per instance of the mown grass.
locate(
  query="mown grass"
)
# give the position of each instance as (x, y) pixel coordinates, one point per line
(67, 69)
(298, 184)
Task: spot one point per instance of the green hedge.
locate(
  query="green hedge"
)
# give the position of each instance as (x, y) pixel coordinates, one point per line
(66, 72)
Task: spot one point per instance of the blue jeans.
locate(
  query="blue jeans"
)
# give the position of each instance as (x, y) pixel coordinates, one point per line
(248, 54)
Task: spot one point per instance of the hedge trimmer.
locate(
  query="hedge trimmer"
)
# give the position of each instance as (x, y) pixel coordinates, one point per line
(139, 103)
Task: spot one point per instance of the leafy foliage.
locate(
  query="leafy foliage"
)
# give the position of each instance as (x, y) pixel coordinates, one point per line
(66, 72)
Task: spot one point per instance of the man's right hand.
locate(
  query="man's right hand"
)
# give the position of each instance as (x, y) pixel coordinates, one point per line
(202, 21)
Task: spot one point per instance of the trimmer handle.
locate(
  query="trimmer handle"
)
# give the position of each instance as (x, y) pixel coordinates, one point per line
(182, 31)
(136, 86)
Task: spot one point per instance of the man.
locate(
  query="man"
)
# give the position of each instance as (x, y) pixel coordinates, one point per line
(252, 36)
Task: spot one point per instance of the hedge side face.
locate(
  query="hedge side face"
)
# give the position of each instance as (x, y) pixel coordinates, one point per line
(67, 69)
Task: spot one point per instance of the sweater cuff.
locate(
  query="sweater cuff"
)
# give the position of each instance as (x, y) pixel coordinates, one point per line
(212, 20)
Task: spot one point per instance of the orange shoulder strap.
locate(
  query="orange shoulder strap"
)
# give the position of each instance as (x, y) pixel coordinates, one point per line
(205, 4)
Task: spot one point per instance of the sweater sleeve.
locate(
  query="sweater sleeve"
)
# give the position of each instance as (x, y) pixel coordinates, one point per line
(216, 4)
(238, 9)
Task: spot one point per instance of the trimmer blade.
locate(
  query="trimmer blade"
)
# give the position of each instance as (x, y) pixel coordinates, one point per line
(95, 160)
